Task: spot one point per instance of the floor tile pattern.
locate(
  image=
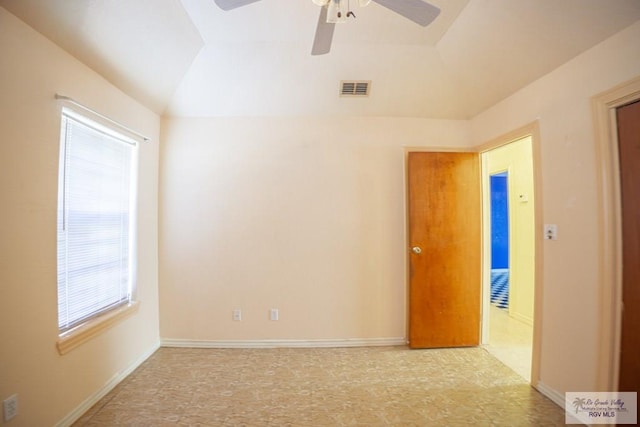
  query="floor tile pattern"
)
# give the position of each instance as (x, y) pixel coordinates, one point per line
(500, 288)
(364, 386)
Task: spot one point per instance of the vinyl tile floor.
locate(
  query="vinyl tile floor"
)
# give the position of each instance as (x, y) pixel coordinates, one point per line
(361, 386)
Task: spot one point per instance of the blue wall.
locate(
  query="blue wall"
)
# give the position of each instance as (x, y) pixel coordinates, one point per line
(499, 221)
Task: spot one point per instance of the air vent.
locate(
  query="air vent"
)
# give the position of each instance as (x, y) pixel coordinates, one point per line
(355, 87)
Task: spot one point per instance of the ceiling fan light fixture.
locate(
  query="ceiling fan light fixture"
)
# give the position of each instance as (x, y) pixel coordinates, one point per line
(332, 12)
(361, 3)
(335, 12)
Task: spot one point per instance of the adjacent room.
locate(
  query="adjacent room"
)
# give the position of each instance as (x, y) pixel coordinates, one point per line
(255, 214)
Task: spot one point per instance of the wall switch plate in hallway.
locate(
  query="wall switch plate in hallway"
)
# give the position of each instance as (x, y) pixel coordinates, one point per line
(237, 315)
(273, 314)
(10, 407)
(550, 232)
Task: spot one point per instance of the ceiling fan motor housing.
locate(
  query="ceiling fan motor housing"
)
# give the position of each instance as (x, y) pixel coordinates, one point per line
(332, 12)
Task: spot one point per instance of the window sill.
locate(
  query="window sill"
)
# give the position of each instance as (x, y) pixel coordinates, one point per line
(71, 339)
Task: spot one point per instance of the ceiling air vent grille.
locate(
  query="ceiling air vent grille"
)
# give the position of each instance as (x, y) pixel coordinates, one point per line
(355, 88)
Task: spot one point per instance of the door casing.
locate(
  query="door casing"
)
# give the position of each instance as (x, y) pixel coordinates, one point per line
(628, 118)
(531, 129)
(604, 107)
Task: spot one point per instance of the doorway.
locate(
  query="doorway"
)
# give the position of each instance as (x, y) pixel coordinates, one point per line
(611, 253)
(499, 207)
(509, 223)
(469, 211)
(628, 118)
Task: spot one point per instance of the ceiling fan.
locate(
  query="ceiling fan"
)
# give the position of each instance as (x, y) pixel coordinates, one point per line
(337, 11)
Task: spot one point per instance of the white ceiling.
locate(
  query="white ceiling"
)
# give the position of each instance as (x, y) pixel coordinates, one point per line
(189, 58)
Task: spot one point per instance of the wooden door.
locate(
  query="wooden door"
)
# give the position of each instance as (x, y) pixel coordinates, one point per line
(444, 246)
(629, 148)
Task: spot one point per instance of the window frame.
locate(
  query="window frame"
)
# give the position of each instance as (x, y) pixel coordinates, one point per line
(105, 317)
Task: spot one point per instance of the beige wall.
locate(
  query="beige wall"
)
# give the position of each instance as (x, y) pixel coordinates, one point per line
(516, 159)
(560, 102)
(307, 215)
(303, 215)
(50, 386)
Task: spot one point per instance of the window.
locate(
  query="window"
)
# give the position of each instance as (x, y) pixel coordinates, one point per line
(96, 220)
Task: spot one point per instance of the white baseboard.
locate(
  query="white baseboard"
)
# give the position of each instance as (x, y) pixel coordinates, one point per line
(350, 342)
(555, 396)
(74, 415)
(524, 319)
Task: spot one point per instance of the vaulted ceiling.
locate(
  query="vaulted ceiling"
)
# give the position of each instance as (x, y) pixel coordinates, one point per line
(190, 58)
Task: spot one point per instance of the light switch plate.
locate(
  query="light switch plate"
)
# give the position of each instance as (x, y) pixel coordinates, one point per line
(550, 232)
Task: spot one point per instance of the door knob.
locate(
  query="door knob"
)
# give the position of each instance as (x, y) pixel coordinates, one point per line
(416, 250)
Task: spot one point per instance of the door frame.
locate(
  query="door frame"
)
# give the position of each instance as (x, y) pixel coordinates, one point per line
(603, 108)
(529, 130)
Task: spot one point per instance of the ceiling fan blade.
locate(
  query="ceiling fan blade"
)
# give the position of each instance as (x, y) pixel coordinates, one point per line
(233, 4)
(415, 10)
(324, 34)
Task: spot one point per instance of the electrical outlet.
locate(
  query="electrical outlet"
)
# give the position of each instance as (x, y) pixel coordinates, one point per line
(237, 315)
(273, 314)
(10, 407)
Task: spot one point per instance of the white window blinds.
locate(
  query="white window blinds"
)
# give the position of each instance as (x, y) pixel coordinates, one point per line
(96, 204)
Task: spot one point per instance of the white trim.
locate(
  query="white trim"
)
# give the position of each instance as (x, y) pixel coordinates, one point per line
(81, 409)
(530, 130)
(82, 333)
(610, 228)
(486, 249)
(84, 119)
(349, 342)
(99, 118)
(556, 397)
(553, 395)
(524, 319)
